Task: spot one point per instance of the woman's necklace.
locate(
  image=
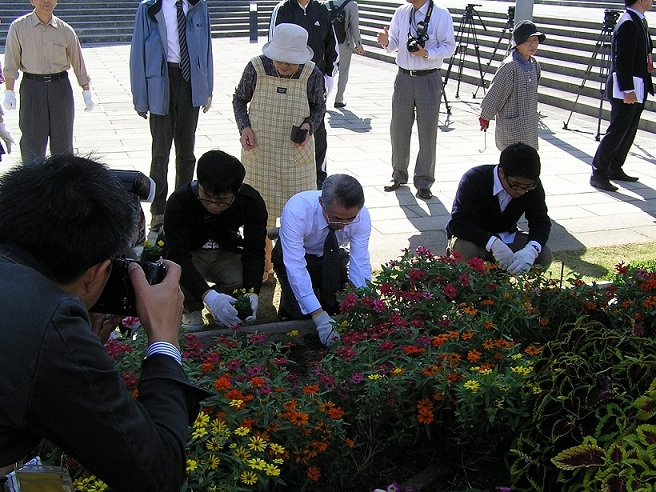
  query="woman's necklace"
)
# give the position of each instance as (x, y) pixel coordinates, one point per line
(284, 76)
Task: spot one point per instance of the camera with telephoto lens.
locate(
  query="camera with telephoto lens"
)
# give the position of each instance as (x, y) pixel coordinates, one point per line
(136, 183)
(118, 295)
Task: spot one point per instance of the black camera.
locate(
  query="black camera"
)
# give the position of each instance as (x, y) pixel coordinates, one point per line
(118, 295)
(413, 43)
(136, 183)
(610, 18)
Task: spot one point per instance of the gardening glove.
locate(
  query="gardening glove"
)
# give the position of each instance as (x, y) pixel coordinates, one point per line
(254, 305)
(6, 136)
(221, 307)
(326, 329)
(485, 124)
(206, 107)
(10, 100)
(523, 259)
(330, 82)
(88, 100)
(502, 253)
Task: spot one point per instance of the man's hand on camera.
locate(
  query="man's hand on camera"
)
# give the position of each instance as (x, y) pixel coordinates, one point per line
(159, 306)
(104, 324)
(254, 305)
(221, 307)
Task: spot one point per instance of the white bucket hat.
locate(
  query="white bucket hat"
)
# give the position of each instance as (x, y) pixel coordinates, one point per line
(288, 45)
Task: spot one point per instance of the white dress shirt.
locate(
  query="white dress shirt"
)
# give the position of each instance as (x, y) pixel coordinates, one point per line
(440, 43)
(303, 230)
(170, 12)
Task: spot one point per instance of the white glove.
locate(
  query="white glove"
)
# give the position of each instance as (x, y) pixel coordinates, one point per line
(206, 107)
(502, 253)
(330, 82)
(88, 100)
(10, 100)
(326, 329)
(221, 307)
(6, 136)
(523, 259)
(254, 304)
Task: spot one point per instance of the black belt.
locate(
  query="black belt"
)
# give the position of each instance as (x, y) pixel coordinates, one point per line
(417, 73)
(54, 77)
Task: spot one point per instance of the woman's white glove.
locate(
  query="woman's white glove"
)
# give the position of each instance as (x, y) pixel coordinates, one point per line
(326, 329)
(254, 305)
(221, 307)
(330, 82)
(6, 136)
(523, 259)
(502, 253)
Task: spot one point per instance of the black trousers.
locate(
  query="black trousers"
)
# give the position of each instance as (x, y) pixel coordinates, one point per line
(179, 127)
(288, 304)
(615, 145)
(320, 150)
(46, 111)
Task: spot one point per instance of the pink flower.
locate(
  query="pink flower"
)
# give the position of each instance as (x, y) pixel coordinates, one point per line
(257, 338)
(234, 364)
(350, 301)
(357, 378)
(386, 346)
(380, 306)
(449, 291)
(465, 280)
(476, 264)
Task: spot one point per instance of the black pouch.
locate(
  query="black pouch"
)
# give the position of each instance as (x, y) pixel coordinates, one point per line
(298, 134)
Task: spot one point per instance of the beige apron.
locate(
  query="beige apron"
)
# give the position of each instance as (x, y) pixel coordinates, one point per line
(275, 167)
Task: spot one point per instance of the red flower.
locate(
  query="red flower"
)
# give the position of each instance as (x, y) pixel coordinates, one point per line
(449, 291)
(314, 473)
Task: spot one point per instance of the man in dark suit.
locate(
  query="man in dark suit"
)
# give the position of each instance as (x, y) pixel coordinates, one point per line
(630, 57)
(490, 200)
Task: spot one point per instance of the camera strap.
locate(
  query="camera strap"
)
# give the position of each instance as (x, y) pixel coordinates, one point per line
(413, 23)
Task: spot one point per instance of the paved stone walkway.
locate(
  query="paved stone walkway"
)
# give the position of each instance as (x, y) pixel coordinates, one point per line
(359, 144)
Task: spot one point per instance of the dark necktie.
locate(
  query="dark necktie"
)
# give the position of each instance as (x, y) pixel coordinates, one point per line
(330, 270)
(185, 65)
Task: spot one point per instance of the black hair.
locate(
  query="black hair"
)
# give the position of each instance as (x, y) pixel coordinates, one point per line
(219, 173)
(342, 189)
(69, 212)
(520, 160)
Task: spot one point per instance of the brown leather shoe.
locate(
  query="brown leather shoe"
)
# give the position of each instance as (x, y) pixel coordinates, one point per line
(424, 194)
(392, 185)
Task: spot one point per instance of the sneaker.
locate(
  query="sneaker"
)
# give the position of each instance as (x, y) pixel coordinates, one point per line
(193, 321)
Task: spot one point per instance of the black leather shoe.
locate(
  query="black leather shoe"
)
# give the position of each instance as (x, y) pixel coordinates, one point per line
(602, 184)
(424, 194)
(340, 105)
(392, 185)
(622, 176)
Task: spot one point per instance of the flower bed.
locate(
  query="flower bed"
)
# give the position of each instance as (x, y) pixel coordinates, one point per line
(440, 364)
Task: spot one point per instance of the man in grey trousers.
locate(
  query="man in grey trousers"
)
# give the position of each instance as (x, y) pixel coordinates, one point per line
(353, 42)
(422, 34)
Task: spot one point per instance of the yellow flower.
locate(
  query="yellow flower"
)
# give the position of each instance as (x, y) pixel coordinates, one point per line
(236, 403)
(242, 431)
(293, 333)
(278, 461)
(242, 453)
(213, 462)
(536, 389)
(397, 371)
(212, 445)
(191, 465)
(272, 470)
(472, 386)
(516, 356)
(257, 463)
(374, 377)
(160, 243)
(248, 477)
(276, 448)
(257, 443)
(219, 426)
(202, 420)
(198, 433)
(486, 371)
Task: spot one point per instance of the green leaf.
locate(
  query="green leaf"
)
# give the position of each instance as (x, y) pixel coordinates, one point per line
(580, 456)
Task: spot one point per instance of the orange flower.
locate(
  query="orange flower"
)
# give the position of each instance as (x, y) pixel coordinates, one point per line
(298, 418)
(431, 370)
(488, 325)
(257, 382)
(314, 473)
(234, 394)
(326, 405)
(452, 377)
(318, 447)
(487, 302)
(206, 367)
(222, 383)
(290, 405)
(311, 390)
(471, 311)
(488, 344)
(532, 350)
(649, 303)
(425, 417)
(335, 413)
(467, 335)
(544, 321)
(473, 356)
(349, 443)
(439, 340)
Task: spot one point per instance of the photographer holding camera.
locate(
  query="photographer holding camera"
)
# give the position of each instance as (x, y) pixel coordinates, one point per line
(422, 34)
(62, 221)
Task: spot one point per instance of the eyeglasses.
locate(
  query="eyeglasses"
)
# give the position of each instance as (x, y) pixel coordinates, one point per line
(341, 222)
(517, 187)
(214, 203)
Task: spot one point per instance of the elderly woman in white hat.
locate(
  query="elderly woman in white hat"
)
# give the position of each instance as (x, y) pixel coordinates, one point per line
(513, 96)
(278, 104)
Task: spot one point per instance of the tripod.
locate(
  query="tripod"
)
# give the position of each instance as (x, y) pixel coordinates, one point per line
(466, 31)
(507, 28)
(602, 45)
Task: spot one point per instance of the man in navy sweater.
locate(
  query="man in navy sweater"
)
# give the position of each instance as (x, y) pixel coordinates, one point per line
(490, 200)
